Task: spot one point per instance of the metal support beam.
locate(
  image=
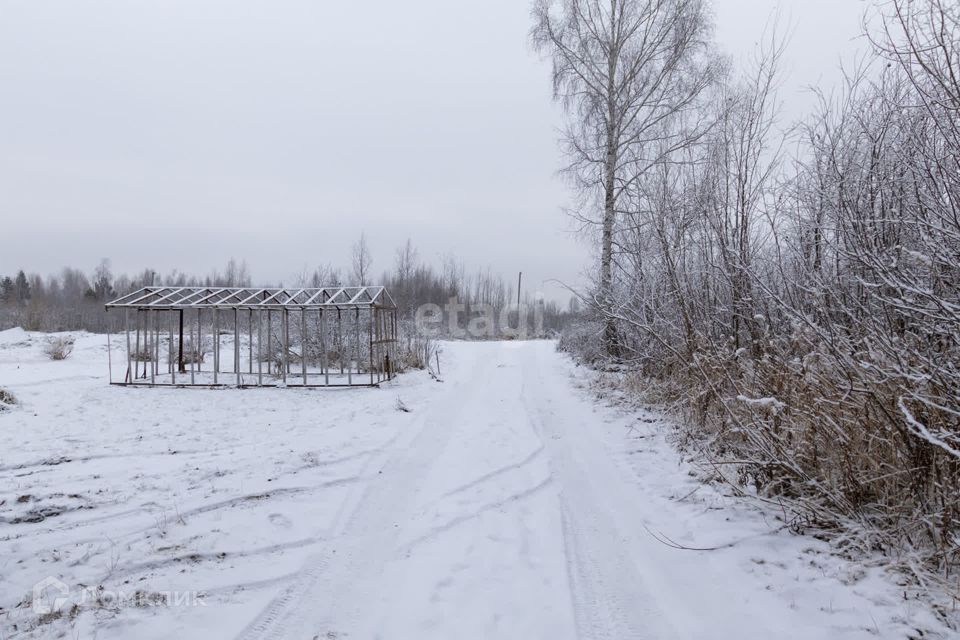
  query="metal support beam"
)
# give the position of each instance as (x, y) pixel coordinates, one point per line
(198, 345)
(340, 342)
(180, 365)
(195, 349)
(260, 346)
(303, 343)
(236, 344)
(216, 345)
(170, 361)
(126, 326)
(154, 348)
(323, 348)
(285, 318)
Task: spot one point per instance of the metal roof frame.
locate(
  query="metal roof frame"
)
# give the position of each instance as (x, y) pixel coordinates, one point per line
(172, 298)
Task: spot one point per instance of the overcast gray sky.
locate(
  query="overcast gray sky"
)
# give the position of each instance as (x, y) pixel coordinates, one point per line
(178, 133)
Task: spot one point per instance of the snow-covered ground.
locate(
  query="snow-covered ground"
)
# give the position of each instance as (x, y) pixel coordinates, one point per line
(505, 504)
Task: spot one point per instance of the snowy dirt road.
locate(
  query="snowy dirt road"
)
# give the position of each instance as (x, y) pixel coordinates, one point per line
(508, 503)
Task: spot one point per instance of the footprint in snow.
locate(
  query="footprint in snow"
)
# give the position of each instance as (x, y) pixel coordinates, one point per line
(280, 520)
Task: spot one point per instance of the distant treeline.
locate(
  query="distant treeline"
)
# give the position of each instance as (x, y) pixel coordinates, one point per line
(74, 300)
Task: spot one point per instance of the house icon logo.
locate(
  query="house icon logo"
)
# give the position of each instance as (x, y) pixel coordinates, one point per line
(49, 595)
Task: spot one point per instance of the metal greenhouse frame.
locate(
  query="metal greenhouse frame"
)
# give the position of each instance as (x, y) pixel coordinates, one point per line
(328, 337)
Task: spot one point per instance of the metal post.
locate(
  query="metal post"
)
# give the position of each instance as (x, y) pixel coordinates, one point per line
(126, 327)
(157, 321)
(270, 335)
(286, 329)
(303, 343)
(371, 341)
(155, 349)
(147, 349)
(158, 333)
(195, 356)
(169, 342)
(172, 364)
(375, 351)
(285, 318)
(149, 343)
(356, 351)
(260, 347)
(356, 329)
(137, 356)
(250, 336)
(180, 357)
(198, 345)
(216, 344)
(323, 349)
(236, 343)
(340, 344)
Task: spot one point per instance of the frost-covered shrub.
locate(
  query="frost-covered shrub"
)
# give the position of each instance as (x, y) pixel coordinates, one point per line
(583, 341)
(59, 347)
(415, 352)
(7, 400)
(141, 355)
(195, 353)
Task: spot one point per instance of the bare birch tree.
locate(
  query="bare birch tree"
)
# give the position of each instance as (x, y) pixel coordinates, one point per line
(621, 68)
(362, 261)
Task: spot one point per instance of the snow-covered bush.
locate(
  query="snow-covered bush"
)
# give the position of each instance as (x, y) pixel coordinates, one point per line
(59, 347)
(142, 354)
(195, 353)
(415, 352)
(582, 340)
(7, 400)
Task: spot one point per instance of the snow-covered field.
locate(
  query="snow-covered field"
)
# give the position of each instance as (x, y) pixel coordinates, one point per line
(505, 504)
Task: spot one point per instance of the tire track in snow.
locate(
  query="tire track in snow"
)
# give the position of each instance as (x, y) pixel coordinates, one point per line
(495, 473)
(476, 513)
(198, 558)
(153, 508)
(610, 596)
(323, 599)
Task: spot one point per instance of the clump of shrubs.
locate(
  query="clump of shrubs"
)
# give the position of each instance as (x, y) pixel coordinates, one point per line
(142, 354)
(7, 400)
(418, 351)
(194, 354)
(583, 340)
(59, 347)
